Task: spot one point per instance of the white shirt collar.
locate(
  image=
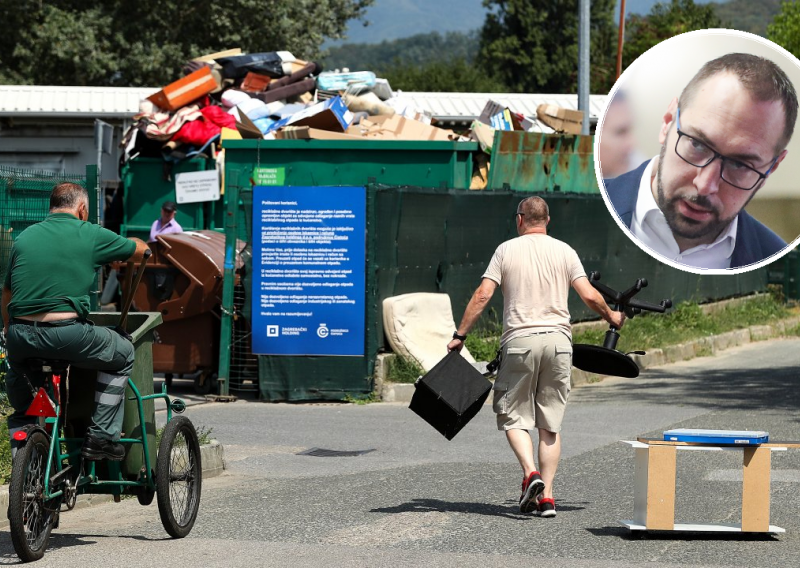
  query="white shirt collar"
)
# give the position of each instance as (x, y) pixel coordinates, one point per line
(650, 227)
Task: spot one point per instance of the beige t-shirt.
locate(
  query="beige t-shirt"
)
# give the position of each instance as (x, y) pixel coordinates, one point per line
(535, 273)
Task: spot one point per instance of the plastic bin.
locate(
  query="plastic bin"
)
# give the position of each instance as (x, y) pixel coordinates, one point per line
(183, 282)
(141, 326)
(145, 189)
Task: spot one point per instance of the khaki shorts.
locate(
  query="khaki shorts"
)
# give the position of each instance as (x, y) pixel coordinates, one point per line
(533, 382)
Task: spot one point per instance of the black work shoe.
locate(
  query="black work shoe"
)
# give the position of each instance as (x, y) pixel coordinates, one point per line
(96, 449)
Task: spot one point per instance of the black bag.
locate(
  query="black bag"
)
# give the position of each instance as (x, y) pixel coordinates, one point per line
(450, 394)
(237, 66)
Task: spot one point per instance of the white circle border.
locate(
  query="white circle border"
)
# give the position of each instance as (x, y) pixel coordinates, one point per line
(599, 175)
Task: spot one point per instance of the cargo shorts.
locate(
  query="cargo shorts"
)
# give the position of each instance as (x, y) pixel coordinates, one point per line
(533, 382)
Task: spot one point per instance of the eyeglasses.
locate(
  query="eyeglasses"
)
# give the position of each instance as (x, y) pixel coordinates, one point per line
(698, 154)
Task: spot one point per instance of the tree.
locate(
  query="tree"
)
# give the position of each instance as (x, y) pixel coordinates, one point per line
(454, 75)
(785, 28)
(663, 22)
(144, 43)
(532, 45)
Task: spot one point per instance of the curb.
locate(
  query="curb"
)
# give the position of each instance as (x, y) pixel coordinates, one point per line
(211, 456)
(399, 392)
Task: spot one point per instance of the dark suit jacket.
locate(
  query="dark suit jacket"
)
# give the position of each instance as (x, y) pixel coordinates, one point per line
(754, 241)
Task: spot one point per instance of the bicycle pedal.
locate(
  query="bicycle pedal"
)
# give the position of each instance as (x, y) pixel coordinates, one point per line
(59, 477)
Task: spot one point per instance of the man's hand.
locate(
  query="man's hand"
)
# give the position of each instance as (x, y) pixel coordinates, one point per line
(617, 319)
(138, 254)
(455, 345)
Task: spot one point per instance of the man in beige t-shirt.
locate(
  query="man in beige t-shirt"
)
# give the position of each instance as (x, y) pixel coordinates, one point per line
(535, 273)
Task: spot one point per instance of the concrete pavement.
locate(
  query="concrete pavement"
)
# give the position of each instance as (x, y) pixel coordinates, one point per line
(418, 500)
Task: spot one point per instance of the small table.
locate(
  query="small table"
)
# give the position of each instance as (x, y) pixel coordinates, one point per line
(654, 486)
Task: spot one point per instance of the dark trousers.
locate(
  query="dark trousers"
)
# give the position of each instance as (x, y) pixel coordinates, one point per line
(85, 346)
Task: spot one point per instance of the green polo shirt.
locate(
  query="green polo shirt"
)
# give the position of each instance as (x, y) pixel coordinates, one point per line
(53, 264)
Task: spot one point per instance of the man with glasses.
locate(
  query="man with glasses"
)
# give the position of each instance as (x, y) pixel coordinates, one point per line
(535, 272)
(720, 141)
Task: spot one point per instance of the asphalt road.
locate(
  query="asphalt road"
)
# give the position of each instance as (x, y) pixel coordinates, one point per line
(418, 500)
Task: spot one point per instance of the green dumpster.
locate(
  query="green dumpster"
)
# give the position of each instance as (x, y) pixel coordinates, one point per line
(82, 383)
(530, 161)
(147, 183)
(352, 162)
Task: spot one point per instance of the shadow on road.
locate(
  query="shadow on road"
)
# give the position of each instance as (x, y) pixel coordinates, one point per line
(625, 534)
(771, 387)
(509, 510)
(63, 540)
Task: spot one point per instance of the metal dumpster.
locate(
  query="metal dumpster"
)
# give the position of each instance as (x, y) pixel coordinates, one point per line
(183, 282)
(141, 326)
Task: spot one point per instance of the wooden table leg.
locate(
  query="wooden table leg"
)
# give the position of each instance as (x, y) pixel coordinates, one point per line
(755, 489)
(661, 471)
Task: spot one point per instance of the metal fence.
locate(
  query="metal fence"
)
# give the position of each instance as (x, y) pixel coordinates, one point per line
(25, 200)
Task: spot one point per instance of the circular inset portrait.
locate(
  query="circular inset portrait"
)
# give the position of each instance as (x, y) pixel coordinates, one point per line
(694, 153)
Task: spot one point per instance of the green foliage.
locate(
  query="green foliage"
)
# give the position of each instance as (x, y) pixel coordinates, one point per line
(5, 451)
(484, 339)
(748, 16)
(455, 76)
(203, 435)
(403, 370)
(417, 50)
(687, 322)
(144, 43)
(664, 21)
(785, 28)
(531, 46)
(362, 400)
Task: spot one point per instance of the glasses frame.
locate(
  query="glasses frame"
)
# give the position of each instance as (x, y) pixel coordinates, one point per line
(716, 155)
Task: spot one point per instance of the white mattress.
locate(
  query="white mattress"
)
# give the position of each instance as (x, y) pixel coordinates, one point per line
(419, 326)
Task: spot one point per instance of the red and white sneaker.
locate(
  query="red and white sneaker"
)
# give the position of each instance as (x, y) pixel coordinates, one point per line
(545, 507)
(532, 487)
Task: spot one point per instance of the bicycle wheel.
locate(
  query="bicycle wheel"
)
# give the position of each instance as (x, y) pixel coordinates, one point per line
(178, 476)
(30, 517)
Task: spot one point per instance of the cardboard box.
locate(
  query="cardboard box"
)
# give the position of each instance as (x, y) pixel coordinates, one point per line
(560, 119)
(396, 127)
(213, 56)
(247, 129)
(483, 134)
(499, 117)
(308, 133)
(183, 91)
(330, 115)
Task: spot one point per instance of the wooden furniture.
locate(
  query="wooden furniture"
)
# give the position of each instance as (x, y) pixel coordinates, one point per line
(654, 486)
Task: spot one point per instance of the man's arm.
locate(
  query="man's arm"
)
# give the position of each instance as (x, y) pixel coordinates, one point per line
(138, 254)
(5, 301)
(478, 302)
(597, 303)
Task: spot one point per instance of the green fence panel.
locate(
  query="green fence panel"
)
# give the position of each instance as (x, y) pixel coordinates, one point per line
(25, 200)
(543, 163)
(352, 162)
(147, 183)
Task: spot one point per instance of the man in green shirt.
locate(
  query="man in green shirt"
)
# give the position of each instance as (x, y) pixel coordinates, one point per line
(45, 304)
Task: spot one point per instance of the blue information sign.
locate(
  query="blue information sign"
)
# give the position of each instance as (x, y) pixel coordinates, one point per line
(308, 270)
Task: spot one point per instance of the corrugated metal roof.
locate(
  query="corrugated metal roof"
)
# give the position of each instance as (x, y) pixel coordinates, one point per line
(123, 102)
(99, 102)
(458, 107)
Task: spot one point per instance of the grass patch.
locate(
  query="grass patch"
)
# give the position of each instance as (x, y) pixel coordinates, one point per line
(687, 322)
(483, 340)
(203, 435)
(403, 370)
(362, 399)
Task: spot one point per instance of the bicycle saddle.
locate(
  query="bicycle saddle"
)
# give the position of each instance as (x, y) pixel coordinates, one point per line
(37, 365)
